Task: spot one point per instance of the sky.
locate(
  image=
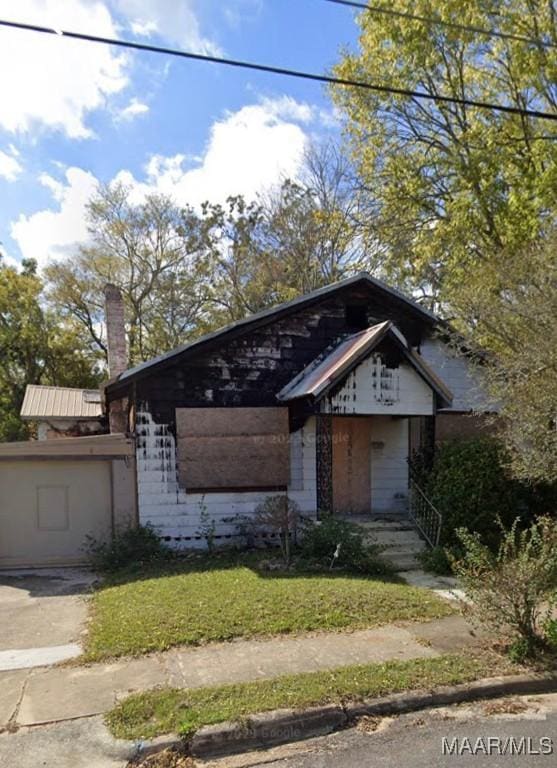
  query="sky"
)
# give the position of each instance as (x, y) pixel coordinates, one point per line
(76, 114)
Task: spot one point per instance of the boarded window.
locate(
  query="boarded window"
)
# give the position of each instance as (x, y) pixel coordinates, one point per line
(233, 448)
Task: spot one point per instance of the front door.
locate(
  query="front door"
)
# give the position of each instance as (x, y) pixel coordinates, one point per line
(351, 465)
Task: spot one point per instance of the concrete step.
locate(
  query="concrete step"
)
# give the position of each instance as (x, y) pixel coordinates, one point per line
(390, 538)
(403, 563)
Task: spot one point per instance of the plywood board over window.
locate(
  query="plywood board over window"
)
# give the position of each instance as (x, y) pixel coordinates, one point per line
(233, 448)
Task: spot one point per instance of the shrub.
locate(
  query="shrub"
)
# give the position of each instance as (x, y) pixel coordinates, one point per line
(550, 630)
(281, 515)
(207, 526)
(134, 546)
(436, 560)
(515, 590)
(468, 483)
(324, 539)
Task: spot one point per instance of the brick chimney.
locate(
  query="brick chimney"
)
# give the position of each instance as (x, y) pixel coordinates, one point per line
(115, 330)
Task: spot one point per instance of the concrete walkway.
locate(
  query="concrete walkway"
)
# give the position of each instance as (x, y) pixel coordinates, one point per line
(52, 694)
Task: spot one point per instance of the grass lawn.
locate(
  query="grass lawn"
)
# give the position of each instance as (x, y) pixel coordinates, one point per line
(224, 597)
(157, 712)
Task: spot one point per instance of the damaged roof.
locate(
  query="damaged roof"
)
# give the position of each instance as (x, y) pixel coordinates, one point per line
(325, 372)
(269, 315)
(43, 402)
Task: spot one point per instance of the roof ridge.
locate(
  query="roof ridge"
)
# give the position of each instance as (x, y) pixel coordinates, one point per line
(269, 312)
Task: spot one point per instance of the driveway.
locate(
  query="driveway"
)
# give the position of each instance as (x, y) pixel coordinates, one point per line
(42, 615)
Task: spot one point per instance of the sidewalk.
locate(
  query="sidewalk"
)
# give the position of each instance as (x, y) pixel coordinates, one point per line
(51, 694)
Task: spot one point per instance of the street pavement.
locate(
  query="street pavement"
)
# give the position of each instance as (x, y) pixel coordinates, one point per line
(430, 739)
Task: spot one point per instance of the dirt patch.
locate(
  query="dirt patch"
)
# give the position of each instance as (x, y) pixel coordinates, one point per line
(168, 758)
(504, 707)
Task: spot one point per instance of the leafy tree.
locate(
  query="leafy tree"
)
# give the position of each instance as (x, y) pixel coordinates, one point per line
(36, 346)
(154, 252)
(299, 237)
(447, 186)
(510, 310)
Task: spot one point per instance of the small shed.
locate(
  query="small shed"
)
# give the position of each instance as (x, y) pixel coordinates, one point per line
(62, 411)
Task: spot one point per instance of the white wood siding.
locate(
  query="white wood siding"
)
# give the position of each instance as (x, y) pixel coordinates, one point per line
(372, 388)
(176, 515)
(459, 375)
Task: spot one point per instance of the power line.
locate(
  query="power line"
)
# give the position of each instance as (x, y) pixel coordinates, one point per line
(320, 78)
(443, 23)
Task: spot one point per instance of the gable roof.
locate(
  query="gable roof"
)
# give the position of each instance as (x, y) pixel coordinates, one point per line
(324, 373)
(42, 402)
(274, 313)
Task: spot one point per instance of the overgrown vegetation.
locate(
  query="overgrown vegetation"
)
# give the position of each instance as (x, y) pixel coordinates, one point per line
(200, 599)
(436, 560)
(514, 591)
(146, 715)
(132, 548)
(38, 345)
(334, 543)
(470, 483)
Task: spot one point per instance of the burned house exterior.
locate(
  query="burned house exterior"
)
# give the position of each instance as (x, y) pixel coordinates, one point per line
(324, 397)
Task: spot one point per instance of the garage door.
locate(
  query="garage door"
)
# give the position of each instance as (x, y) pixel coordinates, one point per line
(47, 508)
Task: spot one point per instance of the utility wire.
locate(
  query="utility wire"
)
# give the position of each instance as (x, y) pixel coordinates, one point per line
(328, 79)
(442, 23)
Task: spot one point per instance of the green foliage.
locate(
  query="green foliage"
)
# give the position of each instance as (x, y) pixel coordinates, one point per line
(134, 547)
(512, 312)
(324, 539)
(471, 486)
(163, 711)
(550, 630)
(436, 560)
(519, 650)
(449, 186)
(154, 252)
(207, 526)
(515, 590)
(37, 346)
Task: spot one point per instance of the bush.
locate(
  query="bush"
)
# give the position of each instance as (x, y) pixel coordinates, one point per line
(468, 483)
(436, 560)
(332, 542)
(281, 515)
(134, 546)
(515, 590)
(551, 633)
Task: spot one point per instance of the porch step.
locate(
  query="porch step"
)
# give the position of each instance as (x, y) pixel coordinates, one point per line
(398, 539)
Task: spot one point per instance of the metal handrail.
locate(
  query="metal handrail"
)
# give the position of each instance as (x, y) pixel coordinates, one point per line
(425, 516)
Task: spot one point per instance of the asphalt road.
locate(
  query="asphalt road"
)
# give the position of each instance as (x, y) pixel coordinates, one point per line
(422, 740)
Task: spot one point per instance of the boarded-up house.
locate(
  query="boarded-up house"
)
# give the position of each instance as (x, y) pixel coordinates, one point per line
(323, 397)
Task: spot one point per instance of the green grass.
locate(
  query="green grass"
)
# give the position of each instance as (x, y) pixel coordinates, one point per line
(184, 711)
(227, 597)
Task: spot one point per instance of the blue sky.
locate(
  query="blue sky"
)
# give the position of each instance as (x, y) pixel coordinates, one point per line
(74, 114)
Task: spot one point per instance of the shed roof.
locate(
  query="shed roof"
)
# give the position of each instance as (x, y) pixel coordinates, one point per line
(321, 375)
(42, 402)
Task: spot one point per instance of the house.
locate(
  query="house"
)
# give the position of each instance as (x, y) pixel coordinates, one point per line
(63, 411)
(324, 397)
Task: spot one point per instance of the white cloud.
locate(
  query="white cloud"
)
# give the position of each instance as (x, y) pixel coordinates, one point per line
(248, 151)
(51, 82)
(51, 233)
(10, 167)
(134, 109)
(174, 20)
